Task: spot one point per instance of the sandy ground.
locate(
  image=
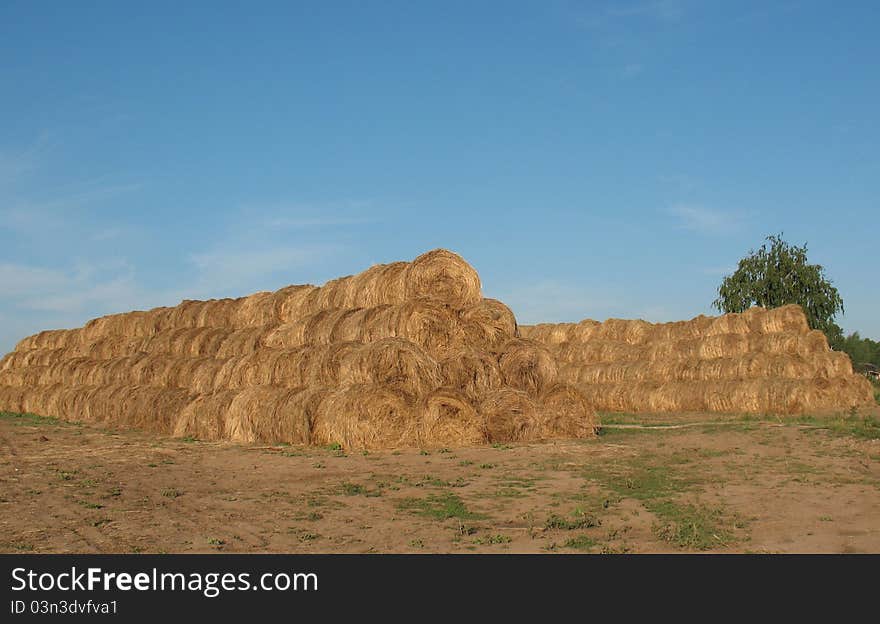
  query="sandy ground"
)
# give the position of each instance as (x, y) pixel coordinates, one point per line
(731, 486)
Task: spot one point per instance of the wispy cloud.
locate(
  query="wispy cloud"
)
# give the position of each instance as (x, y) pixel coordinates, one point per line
(553, 301)
(89, 272)
(316, 222)
(698, 218)
(717, 271)
(18, 279)
(68, 290)
(664, 10)
(16, 163)
(221, 271)
(34, 216)
(653, 10)
(632, 70)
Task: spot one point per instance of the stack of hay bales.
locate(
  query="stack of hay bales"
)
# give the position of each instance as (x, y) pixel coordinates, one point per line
(760, 361)
(402, 354)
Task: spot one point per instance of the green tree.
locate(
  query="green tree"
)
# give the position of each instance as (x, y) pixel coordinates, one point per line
(778, 274)
(862, 351)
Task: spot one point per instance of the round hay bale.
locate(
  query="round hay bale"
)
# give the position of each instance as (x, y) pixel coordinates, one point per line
(349, 326)
(217, 313)
(330, 365)
(449, 418)
(527, 365)
(270, 414)
(785, 318)
(381, 284)
(442, 275)
(287, 335)
(472, 372)
(335, 294)
(565, 413)
(393, 362)
(204, 417)
(618, 330)
(366, 417)
(509, 416)
(243, 341)
(291, 302)
(488, 324)
(430, 324)
(732, 323)
(319, 326)
(12, 399)
(255, 311)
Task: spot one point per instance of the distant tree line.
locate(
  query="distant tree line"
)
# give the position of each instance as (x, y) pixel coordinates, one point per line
(862, 351)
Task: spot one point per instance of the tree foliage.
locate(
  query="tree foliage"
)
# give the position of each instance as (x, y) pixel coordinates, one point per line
(862, 351)
(778, 274)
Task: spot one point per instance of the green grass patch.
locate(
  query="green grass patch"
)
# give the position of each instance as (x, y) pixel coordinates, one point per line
(17, 546)
(356, 489)
(439, 507)
(28, 419)
(657, 484)
(581, 542)
(582, 521)
(89, 505)
(691, 526)
(866, 427)
(493, 539)
(67, 475)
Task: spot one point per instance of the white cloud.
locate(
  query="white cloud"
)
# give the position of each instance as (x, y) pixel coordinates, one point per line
(17, 279)
(663, 10)
(632, 70)
(706, 220)
(656, 10)
(114, 295)
(717, 271)
(15, 164)
(296, 222)
(224, 270)
(69, 290)
(551, 301)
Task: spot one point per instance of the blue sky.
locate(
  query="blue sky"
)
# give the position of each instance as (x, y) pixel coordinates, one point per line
(590, 159)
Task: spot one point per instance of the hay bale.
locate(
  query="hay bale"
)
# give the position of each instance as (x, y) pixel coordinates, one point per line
(271, 414)
(243, 341)
(785, 318)
(366, 417)
(381, 284)
(488, 324)
(448, 419)
(288, 301)
(472, 372)
(565, 412)
(430, 324)
(509, 416)
(442, 275)
(527, 365)
(204, 417)
(392, 362)
(255, 310)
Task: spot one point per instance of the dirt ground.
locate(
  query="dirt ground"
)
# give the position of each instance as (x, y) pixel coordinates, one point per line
(681, 484)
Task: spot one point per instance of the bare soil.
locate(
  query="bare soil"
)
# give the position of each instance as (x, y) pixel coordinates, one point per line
(704, 484)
